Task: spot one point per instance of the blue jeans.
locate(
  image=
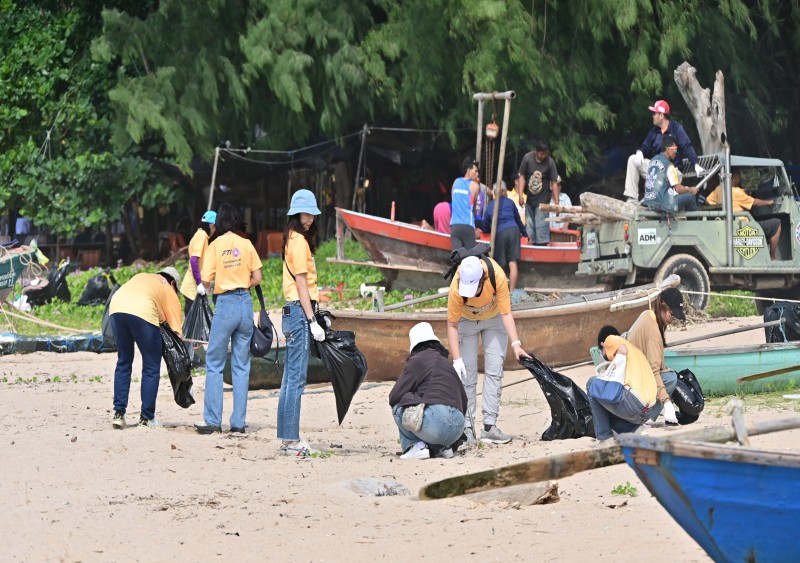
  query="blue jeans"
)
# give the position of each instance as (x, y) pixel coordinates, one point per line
(232, 322)
(295, 371)
(686, 202)
(625, 416)
(442, 425)
(670, 379)
(130, 329)
(537, 229)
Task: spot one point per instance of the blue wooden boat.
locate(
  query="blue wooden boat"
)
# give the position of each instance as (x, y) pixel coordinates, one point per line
(738, 503)
(717, 368)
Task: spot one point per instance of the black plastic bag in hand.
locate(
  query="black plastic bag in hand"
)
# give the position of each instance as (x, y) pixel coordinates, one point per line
(569, 405)
(197, 326)
(97, 289)
(179, 367)
(106, 328)
(345, 364)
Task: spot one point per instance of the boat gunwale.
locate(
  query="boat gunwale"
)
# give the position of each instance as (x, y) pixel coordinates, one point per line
(734, 350)
(711, 452)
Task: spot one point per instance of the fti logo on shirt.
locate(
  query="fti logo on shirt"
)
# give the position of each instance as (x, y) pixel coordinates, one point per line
(234, 253)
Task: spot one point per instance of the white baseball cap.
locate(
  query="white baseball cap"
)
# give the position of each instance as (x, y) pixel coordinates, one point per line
(470, 272)
(421, 332)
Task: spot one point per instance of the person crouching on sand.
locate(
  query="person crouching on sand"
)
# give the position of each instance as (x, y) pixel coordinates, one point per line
(428, 382)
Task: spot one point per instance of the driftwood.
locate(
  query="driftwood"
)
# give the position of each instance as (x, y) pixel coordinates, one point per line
(577, 218)
(547, 207)
(607, 207)
(708, 109)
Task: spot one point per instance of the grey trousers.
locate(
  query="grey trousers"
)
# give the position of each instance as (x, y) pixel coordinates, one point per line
(495, 344)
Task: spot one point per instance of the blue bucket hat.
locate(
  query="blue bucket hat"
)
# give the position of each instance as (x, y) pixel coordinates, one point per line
(303, 201)
(209, 217)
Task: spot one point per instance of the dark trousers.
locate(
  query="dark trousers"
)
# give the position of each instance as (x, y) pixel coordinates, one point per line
(130, 330)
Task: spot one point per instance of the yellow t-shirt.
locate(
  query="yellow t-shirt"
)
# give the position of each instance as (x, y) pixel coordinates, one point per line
(230, 259)
(484, 306)
(638, 375)
(514, 196)
(197, 247)
(741, 201)
(299, 260)
(151, 298)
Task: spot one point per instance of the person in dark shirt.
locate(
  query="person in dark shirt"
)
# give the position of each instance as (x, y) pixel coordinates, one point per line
(539, 170)
(639, 163)
(429, 379)
(509, 232)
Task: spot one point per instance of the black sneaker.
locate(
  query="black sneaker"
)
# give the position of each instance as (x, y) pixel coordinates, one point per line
(119, 420)
(206, 428)
(236, 430)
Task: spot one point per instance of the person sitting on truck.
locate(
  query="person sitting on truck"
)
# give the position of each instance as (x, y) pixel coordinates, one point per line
(744, 202)
(639, 163)
(663, 190)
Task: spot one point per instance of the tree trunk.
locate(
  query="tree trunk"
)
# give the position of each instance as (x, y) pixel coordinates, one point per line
(607, 207)
(707, 109)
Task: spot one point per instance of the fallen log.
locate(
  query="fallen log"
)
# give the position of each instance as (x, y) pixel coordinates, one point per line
(607, 207)
(548, 207)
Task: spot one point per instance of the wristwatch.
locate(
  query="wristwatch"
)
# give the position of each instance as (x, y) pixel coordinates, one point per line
(312, 320)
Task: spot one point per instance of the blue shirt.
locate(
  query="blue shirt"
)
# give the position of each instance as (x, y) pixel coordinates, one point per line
(461, 208)
(507, 216)
(652, 143)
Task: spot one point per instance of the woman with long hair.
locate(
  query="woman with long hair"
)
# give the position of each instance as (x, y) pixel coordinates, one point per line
(429, 379)
(298, 322)
(192, 285)
(647, 334)
(233, 262)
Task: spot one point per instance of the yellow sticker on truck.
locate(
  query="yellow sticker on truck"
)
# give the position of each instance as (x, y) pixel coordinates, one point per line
(748, 241)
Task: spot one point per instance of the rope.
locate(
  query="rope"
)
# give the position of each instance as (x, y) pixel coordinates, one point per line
(753, 297)
(32, 319)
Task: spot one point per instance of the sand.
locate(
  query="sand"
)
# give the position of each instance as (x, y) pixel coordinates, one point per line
(75, 489)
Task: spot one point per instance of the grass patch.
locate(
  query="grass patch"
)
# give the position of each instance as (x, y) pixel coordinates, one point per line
(725, 306)
(773, 400)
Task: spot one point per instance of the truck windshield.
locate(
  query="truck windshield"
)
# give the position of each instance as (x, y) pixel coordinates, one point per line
(765, 182)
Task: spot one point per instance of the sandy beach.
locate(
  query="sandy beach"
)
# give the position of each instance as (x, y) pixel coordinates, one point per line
(75, 489)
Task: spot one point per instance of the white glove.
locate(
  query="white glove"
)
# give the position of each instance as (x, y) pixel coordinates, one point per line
(319, 334)
(699, 170)
(638, 158)
(669, 413)
(201, 289)
(461, 369)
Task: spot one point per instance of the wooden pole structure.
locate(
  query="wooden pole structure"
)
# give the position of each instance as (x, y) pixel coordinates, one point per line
(358, 168)
(213, 179)
(507, 96)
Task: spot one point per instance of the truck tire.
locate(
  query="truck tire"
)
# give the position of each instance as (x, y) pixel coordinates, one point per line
(693, 277)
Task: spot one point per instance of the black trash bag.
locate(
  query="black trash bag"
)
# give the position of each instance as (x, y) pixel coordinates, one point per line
(56, 287)
(569, 405)
(688, 397)
(105, 325)
(173, 350)
(97, 289)
(345, 364)
(790, 329)
(197, 326)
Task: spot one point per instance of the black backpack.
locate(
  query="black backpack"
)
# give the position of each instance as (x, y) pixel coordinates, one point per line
(481, 250)
(688, 397)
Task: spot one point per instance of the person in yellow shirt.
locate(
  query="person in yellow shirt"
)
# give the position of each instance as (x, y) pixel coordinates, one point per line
(517, 195)
(744, 202)
(638, 401)
(192, 285)
(233, 263)
(137, 309)
(298, 322)
(478, 307)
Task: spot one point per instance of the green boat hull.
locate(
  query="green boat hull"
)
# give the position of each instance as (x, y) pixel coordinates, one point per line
(266, 373)
(717, 368)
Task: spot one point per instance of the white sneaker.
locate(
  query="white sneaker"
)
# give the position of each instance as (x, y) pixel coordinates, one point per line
(495, 436)
(446, 453)
(417, 451)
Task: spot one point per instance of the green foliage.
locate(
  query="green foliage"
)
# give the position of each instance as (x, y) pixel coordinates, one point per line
(732, 306)
(626, 489)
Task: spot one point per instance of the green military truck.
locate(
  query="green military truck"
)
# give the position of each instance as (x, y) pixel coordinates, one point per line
(713, 248)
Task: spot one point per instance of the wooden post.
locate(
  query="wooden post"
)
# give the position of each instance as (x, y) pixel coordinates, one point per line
(213, 178)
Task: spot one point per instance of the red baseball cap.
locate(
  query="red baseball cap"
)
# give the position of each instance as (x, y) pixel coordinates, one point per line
(661, 106)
